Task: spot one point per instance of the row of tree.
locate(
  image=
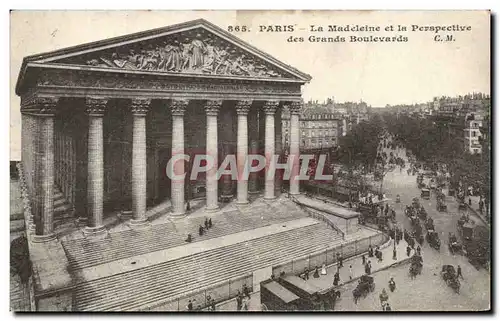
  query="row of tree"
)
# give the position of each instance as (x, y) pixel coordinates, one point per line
(434, 141)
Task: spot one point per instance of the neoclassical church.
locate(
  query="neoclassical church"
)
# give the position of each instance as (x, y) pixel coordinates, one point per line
(101, 120)
(108, 229)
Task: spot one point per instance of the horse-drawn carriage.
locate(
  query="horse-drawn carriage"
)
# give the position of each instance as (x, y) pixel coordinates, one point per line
(422, 213)
(414, 220)
(453, 244)
(441, 206)
(416, 264)
(420, 181)
(409, 211)
(365, 286)
(429, 223)
(450, 277)
(467, 230)
(415, 203)
(432, 238)
(425, 193)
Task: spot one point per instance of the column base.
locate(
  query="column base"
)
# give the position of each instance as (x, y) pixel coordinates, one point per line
(212, 209)
(125, 215)
(269, 198)
(43, 238)
(177, 215)
(81, 221)
(245, 202)
(99, 231)
(253, 192)
(141, 223)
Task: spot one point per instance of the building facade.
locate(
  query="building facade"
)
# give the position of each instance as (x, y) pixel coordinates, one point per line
(101, 121)
(320, 128)
(472, 135)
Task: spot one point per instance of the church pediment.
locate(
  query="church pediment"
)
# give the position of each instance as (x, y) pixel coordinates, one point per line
(196, 47)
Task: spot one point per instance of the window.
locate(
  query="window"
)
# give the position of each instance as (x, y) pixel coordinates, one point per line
(473, 134)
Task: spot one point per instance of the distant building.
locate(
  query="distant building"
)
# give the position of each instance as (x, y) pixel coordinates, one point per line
(322, 128)
(472, 134)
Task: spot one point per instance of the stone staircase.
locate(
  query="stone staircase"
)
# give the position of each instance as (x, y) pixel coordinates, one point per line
(63, 210)
(83, 253)
(149, 287)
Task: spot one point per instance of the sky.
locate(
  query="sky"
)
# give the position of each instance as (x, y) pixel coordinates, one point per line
(377, 73)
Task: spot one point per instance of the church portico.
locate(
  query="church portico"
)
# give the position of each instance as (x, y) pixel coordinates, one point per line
(103, 121)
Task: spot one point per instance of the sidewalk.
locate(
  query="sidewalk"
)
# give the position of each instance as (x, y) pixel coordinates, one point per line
(474, 207)
(326, 281)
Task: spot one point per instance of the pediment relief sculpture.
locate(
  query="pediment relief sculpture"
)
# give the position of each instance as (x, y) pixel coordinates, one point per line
(199, 53)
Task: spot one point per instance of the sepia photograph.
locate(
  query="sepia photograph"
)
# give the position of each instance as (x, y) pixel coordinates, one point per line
(250, 161)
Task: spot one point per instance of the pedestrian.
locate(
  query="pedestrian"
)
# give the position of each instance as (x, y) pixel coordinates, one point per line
(336, 278)
(246, 291)
(316, 273)
(363, 259)
(369, 267)
(212, 304)
(245, 304)
(350, 272)
(341, 261)
(188, 206)
(387, 307)
(190, 306)
(470, 202)
(239, 301)
(189, 238)
(206, 223)
(323, 269)
(418, 249)
(370, 251)
(306, 274)
(459, 272)
(210, 222)
(200, 230)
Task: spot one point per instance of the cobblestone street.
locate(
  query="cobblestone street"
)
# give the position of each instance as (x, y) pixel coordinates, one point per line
(428, 291)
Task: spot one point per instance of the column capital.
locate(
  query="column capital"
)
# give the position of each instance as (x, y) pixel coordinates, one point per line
(270, 107)
(295, 107)
(95, 106)
(45, 106)
(243, 107)
(178, 106)
(140, 106)
(212, 107)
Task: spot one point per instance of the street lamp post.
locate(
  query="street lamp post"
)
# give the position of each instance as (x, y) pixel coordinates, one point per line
(394, 253)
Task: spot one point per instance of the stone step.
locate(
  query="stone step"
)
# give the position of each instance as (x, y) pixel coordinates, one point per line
(64, 207)
(16, 216)
(17, 226)
(60, 201)
(195, 284)
(139, 289)
(82, 253)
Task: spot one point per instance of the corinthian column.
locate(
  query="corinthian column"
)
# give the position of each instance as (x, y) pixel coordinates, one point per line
(278, 147)
(95, 182)
(253, 132)
(295, 108)
(139, 157)
(269, 110)
(44, 230)
(178, 108)
(212, 108)
(242, 108)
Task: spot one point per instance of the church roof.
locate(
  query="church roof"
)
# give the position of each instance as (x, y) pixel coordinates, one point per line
(117, 53)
